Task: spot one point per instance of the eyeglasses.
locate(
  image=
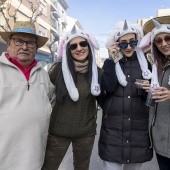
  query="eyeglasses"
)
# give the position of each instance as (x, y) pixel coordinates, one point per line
(20, 42)
(124, 45)
(82, 44)
(159, 41)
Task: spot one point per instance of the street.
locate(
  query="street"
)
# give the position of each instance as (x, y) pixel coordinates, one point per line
(96, 162)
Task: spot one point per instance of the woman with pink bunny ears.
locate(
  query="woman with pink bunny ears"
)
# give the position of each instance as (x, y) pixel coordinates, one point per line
(73, 118)
(157, 32)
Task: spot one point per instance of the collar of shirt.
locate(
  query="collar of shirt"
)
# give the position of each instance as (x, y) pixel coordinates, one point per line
(26, 71)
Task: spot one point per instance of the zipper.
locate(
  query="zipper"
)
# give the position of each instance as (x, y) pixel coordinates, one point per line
(28, 86)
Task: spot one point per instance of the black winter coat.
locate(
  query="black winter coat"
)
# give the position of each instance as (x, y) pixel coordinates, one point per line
(124, 135)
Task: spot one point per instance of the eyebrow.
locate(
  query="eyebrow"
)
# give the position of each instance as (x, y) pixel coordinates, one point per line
(25, 40)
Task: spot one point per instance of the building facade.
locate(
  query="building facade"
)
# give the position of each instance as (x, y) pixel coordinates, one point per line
(51, 23)
(160, 12)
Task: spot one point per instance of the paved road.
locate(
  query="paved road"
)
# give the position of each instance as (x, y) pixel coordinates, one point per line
(96, 162)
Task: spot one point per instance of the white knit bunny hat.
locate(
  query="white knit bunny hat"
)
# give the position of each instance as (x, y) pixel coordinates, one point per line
(70, 85)
(153, 28)
(122, 28)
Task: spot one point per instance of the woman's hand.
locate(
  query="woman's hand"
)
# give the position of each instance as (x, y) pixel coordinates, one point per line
(145, 85)
(161, 94)
(114, 51)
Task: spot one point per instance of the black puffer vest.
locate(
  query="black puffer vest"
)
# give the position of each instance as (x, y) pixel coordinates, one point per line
(124, 136)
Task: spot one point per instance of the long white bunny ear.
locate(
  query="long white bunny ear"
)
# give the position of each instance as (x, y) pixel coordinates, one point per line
(60, 49)
(154, 80)
(111, 39)
(93, 41)
(120, 75)
(146, 40)
(138, 29)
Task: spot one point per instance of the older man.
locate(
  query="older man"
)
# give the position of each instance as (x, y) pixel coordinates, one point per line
(25, 94)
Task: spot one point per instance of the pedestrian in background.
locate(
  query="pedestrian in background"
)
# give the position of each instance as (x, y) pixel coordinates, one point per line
(73, 118)
(124, 142)
(158, 35)
(25, 94)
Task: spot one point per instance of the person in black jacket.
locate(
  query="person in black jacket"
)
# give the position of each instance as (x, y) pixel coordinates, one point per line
(124, 142)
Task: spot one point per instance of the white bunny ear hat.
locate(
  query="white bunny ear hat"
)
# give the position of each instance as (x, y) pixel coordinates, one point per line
(153, 28)
(70, 85)
(122, 28)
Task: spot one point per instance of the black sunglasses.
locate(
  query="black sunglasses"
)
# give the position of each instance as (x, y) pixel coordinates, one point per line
(82, 44)
(124, 45)
(159, 41)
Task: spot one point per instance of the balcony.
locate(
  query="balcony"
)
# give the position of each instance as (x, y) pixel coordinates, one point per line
(54, 26)
(55, 3)
(55, 14)
(55, 8)
(64, 21)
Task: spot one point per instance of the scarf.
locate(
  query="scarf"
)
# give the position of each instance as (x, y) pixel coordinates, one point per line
(81, 67)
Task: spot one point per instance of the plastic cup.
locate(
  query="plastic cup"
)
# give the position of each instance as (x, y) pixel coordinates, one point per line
(149, 101)
(140, 89)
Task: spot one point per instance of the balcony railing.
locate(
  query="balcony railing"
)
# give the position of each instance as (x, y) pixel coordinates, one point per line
(54, 25)
(55, 3)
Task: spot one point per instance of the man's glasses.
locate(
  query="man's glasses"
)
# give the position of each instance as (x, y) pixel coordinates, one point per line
(159, 41)
(20, 42)
(82, 44)
(124, 45)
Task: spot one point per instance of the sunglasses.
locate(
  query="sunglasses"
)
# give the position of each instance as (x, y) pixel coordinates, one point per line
(82, 44)
(124, 45)
(159, 41)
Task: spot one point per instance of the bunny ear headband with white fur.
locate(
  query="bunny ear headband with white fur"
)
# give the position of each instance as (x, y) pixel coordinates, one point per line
(122, 28)
(70, 85)
(149, 39)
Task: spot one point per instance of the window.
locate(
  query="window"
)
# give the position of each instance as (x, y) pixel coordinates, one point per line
(43, 8)
(42, 31)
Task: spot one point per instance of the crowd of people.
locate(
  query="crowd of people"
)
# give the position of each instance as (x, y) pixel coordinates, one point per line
(43, 113)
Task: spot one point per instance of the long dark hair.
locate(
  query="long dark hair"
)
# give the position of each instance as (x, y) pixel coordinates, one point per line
(56, 74)
(159, 57)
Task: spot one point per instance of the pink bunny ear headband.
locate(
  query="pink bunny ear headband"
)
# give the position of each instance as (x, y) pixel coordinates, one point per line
(72, 90)
(153, 28)
(122, 28)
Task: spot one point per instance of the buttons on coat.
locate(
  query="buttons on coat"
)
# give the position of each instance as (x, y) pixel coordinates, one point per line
(128, 75)
(129, 119)
(128, 97)
(127, 141)
(127, 160)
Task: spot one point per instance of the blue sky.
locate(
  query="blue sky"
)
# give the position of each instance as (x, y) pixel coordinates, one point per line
(100, 16)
